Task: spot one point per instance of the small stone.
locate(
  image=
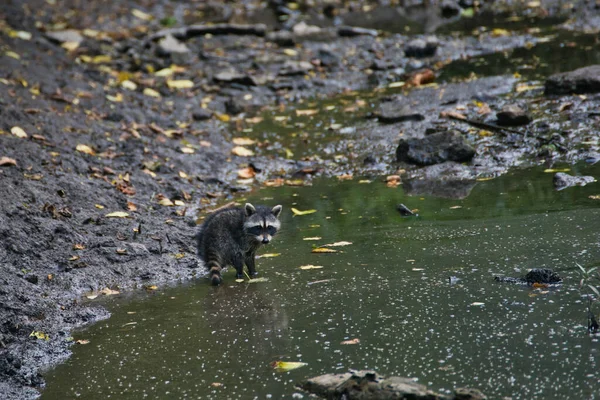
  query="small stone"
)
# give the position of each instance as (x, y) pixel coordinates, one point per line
(421, 47)
(563, 181)
(282, 38)
(290, 68)
(202, 114)
(390, 112)
(235, 77)
(512, 115)
(171, 47)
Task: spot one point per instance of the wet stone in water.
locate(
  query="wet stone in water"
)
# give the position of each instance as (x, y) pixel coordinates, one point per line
(435, 149)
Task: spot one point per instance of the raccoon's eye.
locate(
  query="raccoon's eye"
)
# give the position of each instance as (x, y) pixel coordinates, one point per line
(255, 230)
(271, 230)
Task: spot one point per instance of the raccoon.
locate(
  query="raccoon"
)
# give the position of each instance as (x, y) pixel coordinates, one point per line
(231, 237)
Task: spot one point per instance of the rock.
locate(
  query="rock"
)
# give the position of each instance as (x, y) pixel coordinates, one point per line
(202, 114)
(368, 385)
(512, 115)
(421, 47)
(69, 35)
(282, 38)
(381, 65)
(396, 110)
(171, 47)
(303, 29)
(328, 58)
(290, 68)
(435, 148)
(448, 180)
(582, 80)
(450, 8)
(235, 77)
(563, 181)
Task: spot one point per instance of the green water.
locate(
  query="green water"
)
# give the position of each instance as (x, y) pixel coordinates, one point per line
(389, 288)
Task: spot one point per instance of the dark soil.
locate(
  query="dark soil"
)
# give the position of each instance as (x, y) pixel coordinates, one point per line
(96, 145)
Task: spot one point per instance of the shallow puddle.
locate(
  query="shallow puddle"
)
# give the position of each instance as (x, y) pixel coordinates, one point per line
(390, 289)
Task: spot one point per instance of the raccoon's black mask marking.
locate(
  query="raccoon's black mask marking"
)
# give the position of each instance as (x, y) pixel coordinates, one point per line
(231, 237)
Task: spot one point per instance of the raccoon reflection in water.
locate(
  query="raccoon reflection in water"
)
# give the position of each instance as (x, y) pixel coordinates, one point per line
(231, 237)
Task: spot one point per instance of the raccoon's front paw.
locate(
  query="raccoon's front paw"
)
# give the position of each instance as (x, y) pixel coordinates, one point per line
(216, 280)
(239, 276)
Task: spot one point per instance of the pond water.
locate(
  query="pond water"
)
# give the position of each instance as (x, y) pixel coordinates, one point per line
(390, 289)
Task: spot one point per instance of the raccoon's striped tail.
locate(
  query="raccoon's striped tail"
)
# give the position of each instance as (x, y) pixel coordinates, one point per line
(214, 273)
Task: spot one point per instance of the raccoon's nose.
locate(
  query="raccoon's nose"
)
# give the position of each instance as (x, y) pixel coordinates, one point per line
(265, 240)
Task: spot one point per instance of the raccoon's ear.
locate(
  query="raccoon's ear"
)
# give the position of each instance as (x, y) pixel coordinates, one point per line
(249, 209)
(276, 211)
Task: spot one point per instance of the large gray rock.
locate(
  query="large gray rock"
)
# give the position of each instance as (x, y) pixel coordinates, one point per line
(582, 80)
(434, 149)
(563, 181)
(368, 385)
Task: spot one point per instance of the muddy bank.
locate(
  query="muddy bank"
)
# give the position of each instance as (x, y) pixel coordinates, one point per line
(132, 108)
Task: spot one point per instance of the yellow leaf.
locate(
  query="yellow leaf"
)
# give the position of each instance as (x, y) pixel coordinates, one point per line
(78, 246)
(99, 206)
(288, 153)
(129, 85)
(500, 32)
(141, 15)
(290, 52)
(553, 170)
(311, 267)
(304, 113)
(84, 148)
(116, 98)
(70, 46)
(117, 214)
(284, 366)
(39, 335)
(258, 280)
(337, 244)
(594, 196)
(223, 117)
(455, 207)
(243, 141)
(18, 132)
(183, 175)
(151, 287)
(242, 151)
(166, 202)
(74, 258)
(12, 54)
(164, 72)
(101, 59)
(269, 255)
(187, 150)
(179, 203)
(323, 250)
(306, 212)
(396, 84)
(180, 84)
(312, 238)
(246, 173)
(151, 92)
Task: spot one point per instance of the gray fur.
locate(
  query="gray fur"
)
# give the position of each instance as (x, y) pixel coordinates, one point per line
(231, 237)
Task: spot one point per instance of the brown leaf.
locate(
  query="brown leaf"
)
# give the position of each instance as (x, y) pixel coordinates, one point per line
(351, 341)
(422, 77)
(246, 173)
(6, 161)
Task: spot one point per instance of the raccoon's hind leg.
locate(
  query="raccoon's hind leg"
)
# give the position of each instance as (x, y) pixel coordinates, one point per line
(214, 273)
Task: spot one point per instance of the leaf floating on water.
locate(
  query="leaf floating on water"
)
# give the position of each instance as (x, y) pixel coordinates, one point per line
(82, 341)
(117, 214)
(455, 207)
(337, 244)
(258, 280)
(594, 197)
(321, 281)
(553, 170)
(323, 250)
(284, 366)
(151, 287)
(477, 303)
(312, 238)
(217, 384)
(539, 285)
(306, 212)
(351, 341)
(305, 267)
(269, 255)
(109, 292)
(239, 280)
(39, 335)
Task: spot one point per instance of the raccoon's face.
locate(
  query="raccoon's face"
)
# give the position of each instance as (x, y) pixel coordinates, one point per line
(261, 223)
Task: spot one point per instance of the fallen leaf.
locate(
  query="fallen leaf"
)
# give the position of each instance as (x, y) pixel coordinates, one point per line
(295, 211)
(258, 280)
(151, 92)
(129, 85)
(180, 84)
(99, 206)
(351, 341)
(84, 148)
(164, 72)
(6, 161)
(165, 202)
(553, 170)
(345, 177)
(290, 52)
(323, 250)
(91, 296)
(455, 207)
(422, 77)
(109, 292)
(305, 113)
(18, 132)
(284, 366)
(242, 151)
(500, 32)
(141, 15)
(74, 258)
(39, 335)
(121, 251)
(337, 244)
(246, 173)
(452, 114)
(78, 246)
(117, 214)
(151, 287)
(243, 141)
(268, 255)
(312, 238)
(476, 303)
(223, 117)
(594, 197)
(539, 285)
(217, 384)
(187, 150)
(82, 341)
(305, 267)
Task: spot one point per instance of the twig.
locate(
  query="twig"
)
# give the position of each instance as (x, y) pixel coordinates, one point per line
(484, 125)
(231, 203)
(216, 29)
